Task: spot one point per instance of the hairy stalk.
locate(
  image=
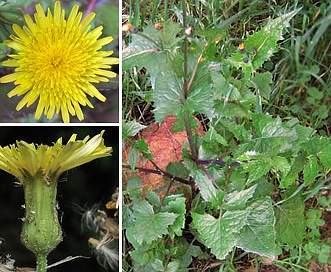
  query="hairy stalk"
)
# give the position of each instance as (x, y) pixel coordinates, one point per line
(41, 263)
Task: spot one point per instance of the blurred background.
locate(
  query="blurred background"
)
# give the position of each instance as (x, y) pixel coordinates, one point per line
(79, 189)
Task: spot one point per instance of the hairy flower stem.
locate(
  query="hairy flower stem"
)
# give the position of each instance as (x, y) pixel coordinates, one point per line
(41, 231)
(41, 262)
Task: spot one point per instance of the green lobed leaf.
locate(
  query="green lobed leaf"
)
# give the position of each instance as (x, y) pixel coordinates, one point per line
(153, 198)
(316, 145)
(239, 131)
(134, 187)
(151, 49)
(297, 166)
(148, 226)
(230, 100)
(168, 96)
(143, 147)
(213, 142)
(175, 204)
(238, 199)
(250, 228)
(183, 252)
(272, 134)
(261, 45)
(133, 157)
(256, 169)
(325, 156)
(263, 83)
(219, 234)
(311, 170)
(150, 256)
(290, 221)
(177, 169)
(131, 128)
(258, 235)
(200, 97)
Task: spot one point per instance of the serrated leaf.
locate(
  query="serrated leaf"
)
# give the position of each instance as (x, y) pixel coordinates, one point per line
(261, 45)
(212, 136)
(207, 189)
(150, 49)
(262, 82)
(239, 131)
(231, 109)
(131, 128)
(148, 226)
(224, 89)
(229, 100)
(133, 157)
(183, 251)
(177, 169)
(238, 199)
(315, 145)
(311, 170)
(176, 205)
(148, 256)
(325, 156)
(200, 97)
(272, 134)
(290, 221)
(219, 234)
(167, 96)
(143, 147)
(213, 142)
(258, 235)
(134, 187)
(297, 166)
(256, 169)
(153, 198)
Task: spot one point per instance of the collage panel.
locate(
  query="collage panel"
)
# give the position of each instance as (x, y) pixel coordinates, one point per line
(59, 198)
(226, 135)
(60, 64)
(59, 61)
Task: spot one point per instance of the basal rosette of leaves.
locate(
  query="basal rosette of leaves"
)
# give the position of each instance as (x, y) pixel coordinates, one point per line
(247, 174)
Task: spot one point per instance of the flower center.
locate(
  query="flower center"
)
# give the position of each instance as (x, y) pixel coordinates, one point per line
(56, 61)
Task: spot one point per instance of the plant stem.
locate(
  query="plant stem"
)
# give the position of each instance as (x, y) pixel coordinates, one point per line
(189, 134)
(159, 171)
(185, 85)
(185, 50)
(41, 262)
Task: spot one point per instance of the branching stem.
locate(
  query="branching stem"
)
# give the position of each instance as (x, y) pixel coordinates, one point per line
(162, 173)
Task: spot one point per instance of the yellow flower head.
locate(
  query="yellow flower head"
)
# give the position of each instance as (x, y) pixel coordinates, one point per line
(25, 160)
(57, 61)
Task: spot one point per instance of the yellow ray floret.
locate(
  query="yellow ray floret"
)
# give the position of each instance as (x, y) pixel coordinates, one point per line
(25, 160)
(56, 62)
